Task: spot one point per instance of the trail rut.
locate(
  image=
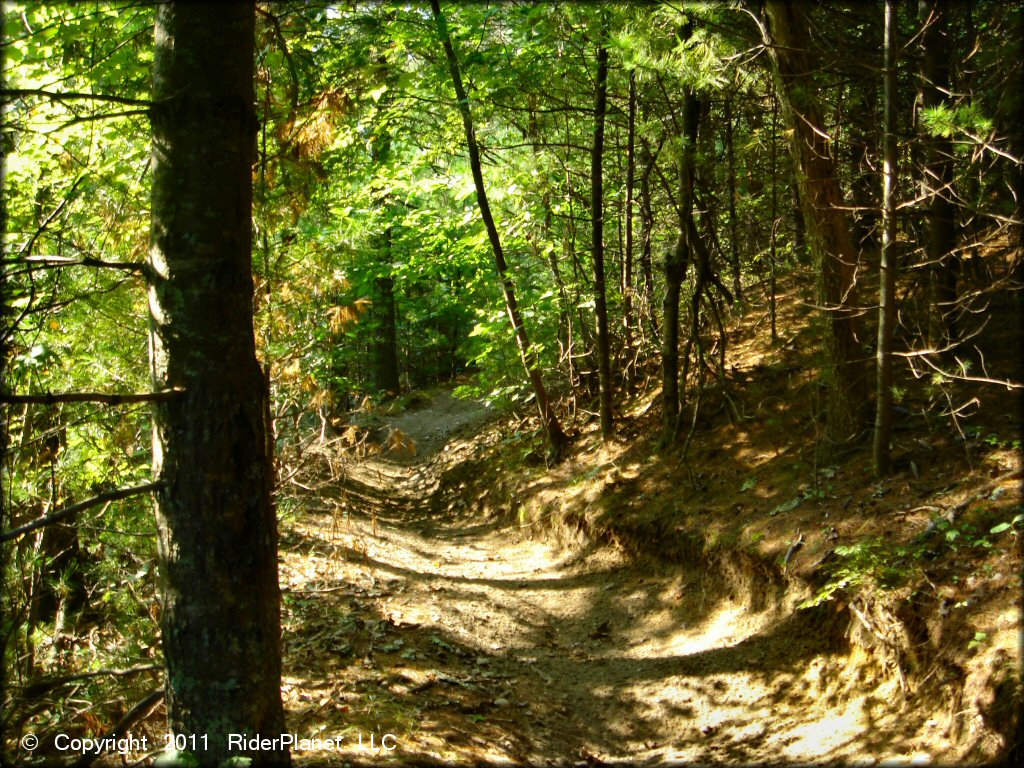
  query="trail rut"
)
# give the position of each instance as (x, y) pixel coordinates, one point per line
(471, 642)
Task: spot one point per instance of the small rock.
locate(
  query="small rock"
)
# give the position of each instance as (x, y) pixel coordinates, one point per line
(501, 701)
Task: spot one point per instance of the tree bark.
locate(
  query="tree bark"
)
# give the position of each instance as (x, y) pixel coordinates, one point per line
(676, 262)
(943, 261)
(604, 366)
(565, 319)
(887, 283)
(734, 248)
(828, 230)
(528, 355)
(627, 257)
(646, 228)
(773, 235)
(217, 529)
(385, 343)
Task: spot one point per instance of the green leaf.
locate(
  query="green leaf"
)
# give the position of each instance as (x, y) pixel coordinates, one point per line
(787, 506)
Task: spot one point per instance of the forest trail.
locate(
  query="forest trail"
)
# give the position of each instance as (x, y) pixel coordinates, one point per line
(471, 642)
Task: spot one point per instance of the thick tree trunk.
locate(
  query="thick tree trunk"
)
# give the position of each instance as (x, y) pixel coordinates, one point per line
(556, 436)
(827, 227)
(217, 528)
(943, 261)
(604, 366)
(887, 283)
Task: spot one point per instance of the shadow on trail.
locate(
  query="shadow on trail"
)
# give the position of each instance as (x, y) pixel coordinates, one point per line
(478, 646)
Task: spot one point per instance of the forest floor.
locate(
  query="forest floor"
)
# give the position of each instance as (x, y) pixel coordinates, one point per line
(472, 642)
(450, 599)
(757, 597)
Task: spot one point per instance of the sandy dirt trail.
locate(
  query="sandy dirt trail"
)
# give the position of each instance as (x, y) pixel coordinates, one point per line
(471, 642)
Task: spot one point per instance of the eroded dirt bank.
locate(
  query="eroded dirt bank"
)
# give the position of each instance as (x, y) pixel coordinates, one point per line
(469, 639)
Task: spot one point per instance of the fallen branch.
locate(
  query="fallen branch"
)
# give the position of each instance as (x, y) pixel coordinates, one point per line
(40, 687)
(95, 501)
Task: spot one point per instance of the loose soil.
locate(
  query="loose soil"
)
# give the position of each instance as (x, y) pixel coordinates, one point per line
(431, 617)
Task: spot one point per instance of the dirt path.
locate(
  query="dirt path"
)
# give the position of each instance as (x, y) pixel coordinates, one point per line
(468, 642)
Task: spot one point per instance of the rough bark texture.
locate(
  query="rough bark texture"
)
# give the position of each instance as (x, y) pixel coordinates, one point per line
(944, 263)
(604, 366)
(828, 230)
(556, 436)
(217, 527)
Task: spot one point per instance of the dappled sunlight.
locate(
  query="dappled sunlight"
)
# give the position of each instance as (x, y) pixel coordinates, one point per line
(472, 641)
(485, 609)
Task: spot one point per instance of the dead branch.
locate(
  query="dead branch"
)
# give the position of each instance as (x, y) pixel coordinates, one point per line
(61, 514)
(39, 687)
(21, 93)
(92, 397)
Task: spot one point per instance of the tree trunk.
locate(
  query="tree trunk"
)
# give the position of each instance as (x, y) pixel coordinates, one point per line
(773, 235)
(646, 228)
(564, 305)
(217, 528)
(385, 342)
(799, 226)
(943, 261)
(627, 257)
(676, 263)
(887, 283)
(528, 355)
(604, 366)
(827, 227)
(734, 248)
